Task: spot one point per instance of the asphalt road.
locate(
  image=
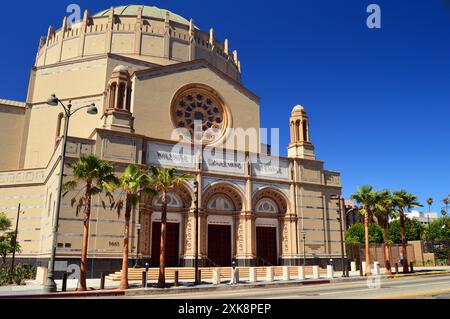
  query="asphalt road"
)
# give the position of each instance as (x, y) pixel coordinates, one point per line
(435, 287)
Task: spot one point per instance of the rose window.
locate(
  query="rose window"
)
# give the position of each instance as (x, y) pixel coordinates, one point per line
(201, 112)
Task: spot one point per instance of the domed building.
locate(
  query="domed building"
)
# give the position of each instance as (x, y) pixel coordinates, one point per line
(158, 82)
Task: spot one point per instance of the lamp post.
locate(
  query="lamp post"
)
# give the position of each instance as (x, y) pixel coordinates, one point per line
(196, 232)
(50, 285)
(304, 247)
(11, 270)
(138, 228)
(340, 210)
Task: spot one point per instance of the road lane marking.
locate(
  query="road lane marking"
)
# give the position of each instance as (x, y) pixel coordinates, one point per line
(416, 294)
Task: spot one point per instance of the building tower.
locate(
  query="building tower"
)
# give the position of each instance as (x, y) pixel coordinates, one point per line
(118, 114)
(300, 145)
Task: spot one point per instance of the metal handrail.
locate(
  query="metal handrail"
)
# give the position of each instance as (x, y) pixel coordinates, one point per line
(212, 262)
(264, 261)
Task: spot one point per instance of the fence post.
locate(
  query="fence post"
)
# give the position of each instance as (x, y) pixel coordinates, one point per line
(176, 278)
(102, 281)
(64, 283)
(144, 279)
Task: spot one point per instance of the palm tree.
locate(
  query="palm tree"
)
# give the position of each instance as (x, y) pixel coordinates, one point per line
(446, 201)
(366, 196)
(165, 180)
(383, 210)
(429, 202)
(133, 182)
(97, 176)
(404, 201)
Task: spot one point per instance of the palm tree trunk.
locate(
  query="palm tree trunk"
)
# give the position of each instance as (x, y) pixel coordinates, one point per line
(126, 235)
(84, 246)
(387, 251)
(366, 228)
(162, 254)
(404, 242)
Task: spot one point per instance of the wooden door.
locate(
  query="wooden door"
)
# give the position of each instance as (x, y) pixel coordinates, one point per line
(266, 244)
(219, 244)
(172, 243)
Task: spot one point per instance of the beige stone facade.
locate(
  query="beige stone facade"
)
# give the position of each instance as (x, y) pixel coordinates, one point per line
(149, 72)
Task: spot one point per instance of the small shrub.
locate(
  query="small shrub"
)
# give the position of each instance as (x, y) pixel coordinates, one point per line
(21, 273)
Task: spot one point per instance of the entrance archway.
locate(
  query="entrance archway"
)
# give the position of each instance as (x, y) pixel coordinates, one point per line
(222, 203)
(269, 205)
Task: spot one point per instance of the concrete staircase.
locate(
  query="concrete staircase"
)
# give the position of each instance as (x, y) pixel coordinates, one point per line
(187, 273)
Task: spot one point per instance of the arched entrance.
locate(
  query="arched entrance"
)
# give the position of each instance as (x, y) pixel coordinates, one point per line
(222, 202)
(178, 203)
(268, 205)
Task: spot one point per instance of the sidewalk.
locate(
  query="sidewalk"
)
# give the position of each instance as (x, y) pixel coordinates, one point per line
(33, 288)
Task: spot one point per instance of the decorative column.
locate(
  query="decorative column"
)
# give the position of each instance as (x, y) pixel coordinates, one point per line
(109, 32)
(138, 32)
(167, 35)
(83, 30)
(61, 39)
(288, 234)
(245, 224)
(192, 44)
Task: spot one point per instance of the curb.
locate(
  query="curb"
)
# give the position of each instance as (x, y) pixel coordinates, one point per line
(71, 294)
(222, 287)
(205, 288)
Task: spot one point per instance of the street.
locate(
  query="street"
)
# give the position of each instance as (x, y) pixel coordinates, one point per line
(436, 287)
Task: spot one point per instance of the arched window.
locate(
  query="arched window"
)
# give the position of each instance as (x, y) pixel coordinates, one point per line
(305, 131)
(221, 203)
(112, 95)
(173, 201)
(128, 101)
(121, 96)
(267, 205)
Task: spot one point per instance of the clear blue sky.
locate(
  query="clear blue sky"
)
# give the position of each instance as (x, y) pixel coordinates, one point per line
(378, 100)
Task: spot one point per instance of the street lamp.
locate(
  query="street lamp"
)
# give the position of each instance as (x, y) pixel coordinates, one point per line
(50, 285)
(304, 247)
(138, 228)
(196, 190)
(340, 210)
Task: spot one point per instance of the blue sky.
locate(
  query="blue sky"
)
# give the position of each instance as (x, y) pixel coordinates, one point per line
(378, 100)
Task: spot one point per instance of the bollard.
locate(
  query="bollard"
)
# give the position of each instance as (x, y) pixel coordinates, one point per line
(199, 276)
(352, 266)
(411, 267)
(376, 268)
(144, 279)
(301, 272)
(330, 272)
(269, 274)
(316, 272)
(216, 276)
(176, 284)
(364, 267)
(253, 277)
(234, 276)
(361, 271)
(286, 276)
(64, 283)
(102, 281)
(396, 268)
